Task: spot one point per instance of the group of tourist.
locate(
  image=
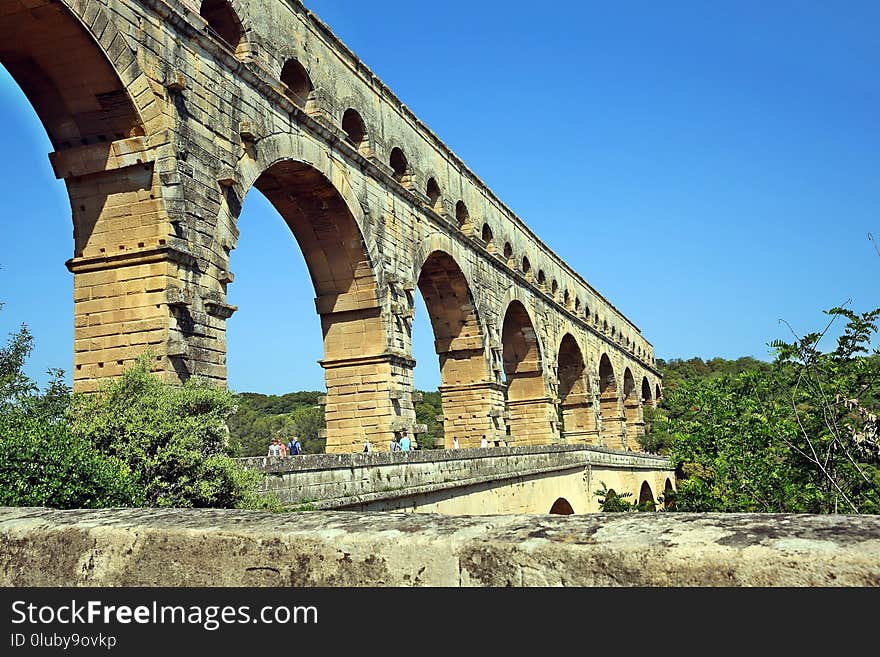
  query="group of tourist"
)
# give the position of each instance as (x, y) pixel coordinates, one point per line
(278, 447)
(400, 443)
(403, 443)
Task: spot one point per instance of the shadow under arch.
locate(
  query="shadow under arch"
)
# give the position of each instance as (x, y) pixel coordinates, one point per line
(668, 495)
(646, 497)
(358, 371)
(575, 398)
(632, 410)
(561, 507)
(609, 405)
(532, 415)
(459, 342)
(647, 397)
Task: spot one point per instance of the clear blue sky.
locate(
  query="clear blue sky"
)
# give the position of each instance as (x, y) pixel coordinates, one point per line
(711, 168)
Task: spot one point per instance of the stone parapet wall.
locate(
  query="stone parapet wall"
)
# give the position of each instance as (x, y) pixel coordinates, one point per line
(193, 547)
(339, 480)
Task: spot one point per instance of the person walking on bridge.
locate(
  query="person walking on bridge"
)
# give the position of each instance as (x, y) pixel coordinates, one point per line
(405, 442)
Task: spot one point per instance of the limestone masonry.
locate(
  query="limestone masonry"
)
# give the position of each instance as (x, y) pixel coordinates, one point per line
(211, 547)
(557, 479)
(163, 114)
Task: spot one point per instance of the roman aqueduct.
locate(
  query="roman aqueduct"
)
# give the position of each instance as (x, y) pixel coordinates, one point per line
(163, 114)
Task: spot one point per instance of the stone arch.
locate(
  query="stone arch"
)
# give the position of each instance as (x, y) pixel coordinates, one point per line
(646, 497)
(399, 166)
(668, 490)
(575, 398)
(299, 85)
(647, 399)
(566, 299)
(319, 207)
(609, 405)
(487, 237)
(542, 279)
(224, 23)
(462, 216)
(355, 129)
(59, 53)
(531, 413)
(508, 255)
(459, 343)
(93, 107)
(435, 197)
(554, 288)
(527, 268)
(632, 408)
(561, 507)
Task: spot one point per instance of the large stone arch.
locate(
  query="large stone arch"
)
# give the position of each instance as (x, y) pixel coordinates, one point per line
(472, 402)
(368, 387)
(92, 87)
(574, 393)
(267, 152)
(85, 84)
(610, 409)
(632, 409)
(532, 415)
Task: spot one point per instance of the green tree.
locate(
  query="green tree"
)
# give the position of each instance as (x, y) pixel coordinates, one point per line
(173, 439)
(41, 462)
(799, 436)
(613, 502)
(427, 411)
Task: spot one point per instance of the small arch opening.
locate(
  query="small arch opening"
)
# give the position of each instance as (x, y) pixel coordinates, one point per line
(354, 127)
(223, 22)
(508, 255)
(554, 288)
(668, 496)
(561, 507)
(399, 165)
(462, 216)
(566, 298)
(433, 192)
(542, 279)
(487, 238)
(646, 497)
(296, 79)
(527, 268)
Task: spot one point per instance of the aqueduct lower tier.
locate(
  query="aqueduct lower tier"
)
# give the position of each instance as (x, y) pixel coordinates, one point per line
(163, 114)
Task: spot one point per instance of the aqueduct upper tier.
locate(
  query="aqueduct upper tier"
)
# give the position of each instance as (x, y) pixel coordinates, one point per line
(163, 114)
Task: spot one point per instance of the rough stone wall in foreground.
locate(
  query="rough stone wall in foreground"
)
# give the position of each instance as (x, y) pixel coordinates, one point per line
(174, 547)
